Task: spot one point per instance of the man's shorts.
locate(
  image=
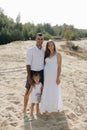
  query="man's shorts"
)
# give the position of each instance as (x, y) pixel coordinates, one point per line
(41, 73)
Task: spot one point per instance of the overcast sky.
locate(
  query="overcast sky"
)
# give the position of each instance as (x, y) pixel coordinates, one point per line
(71, 12)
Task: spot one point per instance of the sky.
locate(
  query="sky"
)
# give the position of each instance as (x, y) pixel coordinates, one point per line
(54, 12)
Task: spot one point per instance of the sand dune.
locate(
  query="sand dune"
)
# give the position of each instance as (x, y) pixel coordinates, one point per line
(12, 81)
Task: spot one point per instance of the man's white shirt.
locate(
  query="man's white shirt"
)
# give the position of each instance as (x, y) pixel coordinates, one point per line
(35, 58)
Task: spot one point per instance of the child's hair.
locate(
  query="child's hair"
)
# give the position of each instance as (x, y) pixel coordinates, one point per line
(35, 75)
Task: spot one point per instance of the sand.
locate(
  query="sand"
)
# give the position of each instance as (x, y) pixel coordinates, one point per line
(12, 82)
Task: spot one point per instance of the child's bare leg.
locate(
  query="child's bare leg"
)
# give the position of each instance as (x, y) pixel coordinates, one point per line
(37, 111)
(32, 109)
(37, 108)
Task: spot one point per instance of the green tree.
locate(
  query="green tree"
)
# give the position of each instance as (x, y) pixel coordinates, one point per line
(18, 18)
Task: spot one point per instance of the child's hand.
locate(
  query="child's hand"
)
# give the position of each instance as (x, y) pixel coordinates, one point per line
(38, 95)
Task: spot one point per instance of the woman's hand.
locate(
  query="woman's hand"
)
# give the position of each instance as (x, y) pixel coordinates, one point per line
(58, 81)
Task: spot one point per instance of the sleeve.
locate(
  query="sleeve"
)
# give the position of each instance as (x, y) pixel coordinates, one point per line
(29, 57)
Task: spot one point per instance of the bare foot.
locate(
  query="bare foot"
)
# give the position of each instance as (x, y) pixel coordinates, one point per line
(24, 111)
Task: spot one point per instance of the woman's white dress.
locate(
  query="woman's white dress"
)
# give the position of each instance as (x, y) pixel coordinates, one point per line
(51, 99)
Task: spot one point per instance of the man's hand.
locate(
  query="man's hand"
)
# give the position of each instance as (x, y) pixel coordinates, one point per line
(30, 81)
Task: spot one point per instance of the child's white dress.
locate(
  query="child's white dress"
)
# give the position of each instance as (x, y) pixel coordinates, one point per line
(35, 93)
(51, 99)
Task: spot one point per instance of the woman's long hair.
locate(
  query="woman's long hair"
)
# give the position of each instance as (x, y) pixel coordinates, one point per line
(47, 51)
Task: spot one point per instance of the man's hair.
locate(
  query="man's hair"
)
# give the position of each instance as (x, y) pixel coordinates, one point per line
(39, 34)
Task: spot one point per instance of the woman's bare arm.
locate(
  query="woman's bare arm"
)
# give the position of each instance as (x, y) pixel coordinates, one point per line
(59, 60)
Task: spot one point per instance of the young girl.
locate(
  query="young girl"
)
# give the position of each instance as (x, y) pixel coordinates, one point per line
(35, 94)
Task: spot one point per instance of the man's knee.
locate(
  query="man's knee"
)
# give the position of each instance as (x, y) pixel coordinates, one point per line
(26, 92)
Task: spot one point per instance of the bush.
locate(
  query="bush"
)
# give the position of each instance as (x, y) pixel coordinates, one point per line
(72, 45)
(75, 48)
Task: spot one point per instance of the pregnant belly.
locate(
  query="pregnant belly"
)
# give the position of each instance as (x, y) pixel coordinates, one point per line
(50, 72)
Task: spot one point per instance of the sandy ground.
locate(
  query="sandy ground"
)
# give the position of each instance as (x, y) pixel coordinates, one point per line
(12, 82)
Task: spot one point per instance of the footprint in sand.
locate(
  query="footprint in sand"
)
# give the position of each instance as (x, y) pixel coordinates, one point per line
(10, 108)
(72, 116)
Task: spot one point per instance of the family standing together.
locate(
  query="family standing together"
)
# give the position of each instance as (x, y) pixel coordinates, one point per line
(43, 88)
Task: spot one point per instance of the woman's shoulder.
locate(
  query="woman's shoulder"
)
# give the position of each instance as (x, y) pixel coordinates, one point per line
(58, 55)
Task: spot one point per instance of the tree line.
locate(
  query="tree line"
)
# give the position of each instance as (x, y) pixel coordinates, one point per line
(14, 31)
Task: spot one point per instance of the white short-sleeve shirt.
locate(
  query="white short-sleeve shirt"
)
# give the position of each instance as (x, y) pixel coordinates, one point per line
(35, 58)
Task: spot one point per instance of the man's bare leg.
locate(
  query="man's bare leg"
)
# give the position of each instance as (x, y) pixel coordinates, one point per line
(26, 98)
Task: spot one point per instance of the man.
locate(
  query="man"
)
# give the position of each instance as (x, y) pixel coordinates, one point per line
(34, 64)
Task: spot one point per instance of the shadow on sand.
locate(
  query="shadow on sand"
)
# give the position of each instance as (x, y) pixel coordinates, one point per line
(56, 121)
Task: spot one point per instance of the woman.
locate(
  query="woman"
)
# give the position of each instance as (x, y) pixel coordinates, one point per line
(51, 100)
